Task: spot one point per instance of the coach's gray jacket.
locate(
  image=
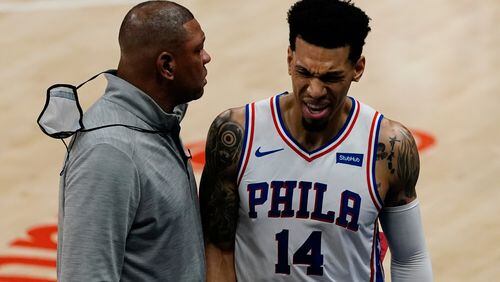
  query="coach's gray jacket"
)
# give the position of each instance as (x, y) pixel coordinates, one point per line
(128, 208)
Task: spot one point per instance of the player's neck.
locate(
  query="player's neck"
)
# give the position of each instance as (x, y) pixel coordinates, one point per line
(308, 139)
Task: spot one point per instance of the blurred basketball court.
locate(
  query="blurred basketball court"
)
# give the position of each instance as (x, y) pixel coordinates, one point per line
(432, 65)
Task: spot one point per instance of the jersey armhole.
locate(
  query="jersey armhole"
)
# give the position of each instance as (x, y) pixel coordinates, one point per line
(372, 157)
(247, 140)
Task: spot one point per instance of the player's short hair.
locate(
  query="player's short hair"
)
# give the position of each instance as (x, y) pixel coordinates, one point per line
(329, 24)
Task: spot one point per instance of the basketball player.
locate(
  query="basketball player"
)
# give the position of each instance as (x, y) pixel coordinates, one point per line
(294, 185)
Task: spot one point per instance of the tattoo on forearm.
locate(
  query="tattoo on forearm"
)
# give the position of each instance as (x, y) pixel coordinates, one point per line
(408, 163)
(218, 192)
(222, 216)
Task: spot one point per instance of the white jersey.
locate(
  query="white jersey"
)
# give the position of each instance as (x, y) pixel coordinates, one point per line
(308, 215)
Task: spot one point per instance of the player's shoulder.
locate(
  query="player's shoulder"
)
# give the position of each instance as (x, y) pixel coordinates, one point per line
(228, 126)
(236, 115)
(398, 155)
(389, 129)
(397, 140)
(224, 142)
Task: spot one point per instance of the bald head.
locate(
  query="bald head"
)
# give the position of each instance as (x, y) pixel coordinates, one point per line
(153, 25)
(162, 53)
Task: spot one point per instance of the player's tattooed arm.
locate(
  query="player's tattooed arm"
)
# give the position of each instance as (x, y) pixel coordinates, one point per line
(219, 200)
(397, 156)
(218, 191)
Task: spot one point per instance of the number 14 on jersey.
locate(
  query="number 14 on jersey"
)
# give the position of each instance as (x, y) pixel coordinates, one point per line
(307, 254)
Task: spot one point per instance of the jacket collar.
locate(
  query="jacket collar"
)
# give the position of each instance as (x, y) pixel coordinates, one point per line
(140, 104)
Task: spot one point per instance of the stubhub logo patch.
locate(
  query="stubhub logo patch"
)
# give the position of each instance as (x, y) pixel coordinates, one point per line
(350, 159)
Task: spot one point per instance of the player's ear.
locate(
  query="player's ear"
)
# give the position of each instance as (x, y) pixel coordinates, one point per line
(165, 65)
(289, 59)
(359, 68)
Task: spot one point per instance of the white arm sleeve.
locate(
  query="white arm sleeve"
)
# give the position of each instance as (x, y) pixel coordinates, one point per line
(402, 226)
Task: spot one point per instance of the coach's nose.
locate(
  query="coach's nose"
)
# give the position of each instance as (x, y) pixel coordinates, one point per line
(205, 57)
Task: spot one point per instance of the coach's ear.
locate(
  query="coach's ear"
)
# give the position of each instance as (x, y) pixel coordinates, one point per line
(359, 68)
(165, 64)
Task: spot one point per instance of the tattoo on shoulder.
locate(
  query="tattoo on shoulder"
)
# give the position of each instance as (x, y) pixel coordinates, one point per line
(219, 198)
(408, 163)
(397, 151)
(225, 140)
(381, 153)
(390, 158)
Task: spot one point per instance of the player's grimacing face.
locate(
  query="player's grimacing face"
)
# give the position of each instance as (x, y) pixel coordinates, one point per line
(321, 78)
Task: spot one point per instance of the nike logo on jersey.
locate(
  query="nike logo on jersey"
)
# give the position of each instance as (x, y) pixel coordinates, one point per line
(260, 153)
(350, 159)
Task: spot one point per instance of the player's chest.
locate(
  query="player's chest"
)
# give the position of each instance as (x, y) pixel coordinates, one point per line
(325, 192)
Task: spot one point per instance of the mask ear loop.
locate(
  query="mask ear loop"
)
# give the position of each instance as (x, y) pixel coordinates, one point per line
(65, 159)
(63, 170)
(76, 95)
(93, 77)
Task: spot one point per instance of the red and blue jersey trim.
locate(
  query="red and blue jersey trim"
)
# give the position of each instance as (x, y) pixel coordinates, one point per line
(247, 140)
(376, 267)
(371, 158)
(325, 149)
